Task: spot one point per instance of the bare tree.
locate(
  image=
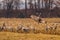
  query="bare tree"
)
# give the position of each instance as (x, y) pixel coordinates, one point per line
(39, 4)
(42, 3)
(46, 1)
(35, 6)
(4, 4)
(31, 5)
(0, 5)
(26, 7)
(17, 4)
(9, 7)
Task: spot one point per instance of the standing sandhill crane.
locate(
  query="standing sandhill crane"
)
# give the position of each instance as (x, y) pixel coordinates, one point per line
(4, 26)
(22, 28)
(37, 19)
(9, 28)
(52, 28)
(55, 26)
(1, 28)
(26, 29)
(19, 28)
(47, 28)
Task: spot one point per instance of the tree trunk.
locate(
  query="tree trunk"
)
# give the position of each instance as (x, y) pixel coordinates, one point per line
(26, 8)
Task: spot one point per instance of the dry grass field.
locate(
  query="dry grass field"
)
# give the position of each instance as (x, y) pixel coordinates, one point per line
(14, 22)
(19, 36)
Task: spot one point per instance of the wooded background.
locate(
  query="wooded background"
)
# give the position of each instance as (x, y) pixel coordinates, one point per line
(12, 9)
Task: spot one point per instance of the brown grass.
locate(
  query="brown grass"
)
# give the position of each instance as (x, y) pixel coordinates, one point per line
(14, 22)
(19, 36)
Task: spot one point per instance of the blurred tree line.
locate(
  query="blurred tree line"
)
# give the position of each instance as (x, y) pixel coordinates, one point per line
(11, 8)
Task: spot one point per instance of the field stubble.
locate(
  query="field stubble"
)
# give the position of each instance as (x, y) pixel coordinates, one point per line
(30, 36)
